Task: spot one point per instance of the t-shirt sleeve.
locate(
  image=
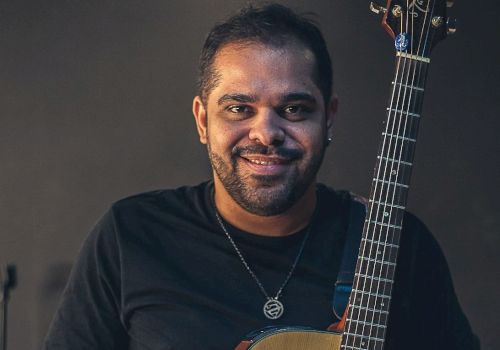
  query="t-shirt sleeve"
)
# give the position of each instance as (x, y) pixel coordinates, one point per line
(88, 316)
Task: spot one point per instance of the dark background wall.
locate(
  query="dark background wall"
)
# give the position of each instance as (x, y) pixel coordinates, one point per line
(95, 100)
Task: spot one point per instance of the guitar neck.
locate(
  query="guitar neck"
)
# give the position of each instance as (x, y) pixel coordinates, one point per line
(372, 286)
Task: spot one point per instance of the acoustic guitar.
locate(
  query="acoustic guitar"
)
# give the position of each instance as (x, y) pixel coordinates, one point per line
(416, 26)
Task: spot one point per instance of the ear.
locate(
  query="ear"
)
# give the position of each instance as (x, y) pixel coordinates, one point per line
(331, 111)
(200, 116)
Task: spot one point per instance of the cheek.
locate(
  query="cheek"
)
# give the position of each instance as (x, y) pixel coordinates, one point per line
(309, 136)
(224, 136)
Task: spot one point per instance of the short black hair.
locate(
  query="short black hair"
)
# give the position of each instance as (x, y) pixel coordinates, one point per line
(273, 25)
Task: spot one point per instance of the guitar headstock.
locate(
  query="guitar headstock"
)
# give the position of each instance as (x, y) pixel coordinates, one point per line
(416, 26)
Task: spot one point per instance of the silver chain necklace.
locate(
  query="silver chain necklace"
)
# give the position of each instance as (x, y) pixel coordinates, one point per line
(273, 308)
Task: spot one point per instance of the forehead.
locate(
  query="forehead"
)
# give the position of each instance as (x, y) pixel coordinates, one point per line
(261, 69)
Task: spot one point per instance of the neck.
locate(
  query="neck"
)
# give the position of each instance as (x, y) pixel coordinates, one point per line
(294, 219)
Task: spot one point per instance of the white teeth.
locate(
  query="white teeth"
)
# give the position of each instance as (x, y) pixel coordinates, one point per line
(261, 162)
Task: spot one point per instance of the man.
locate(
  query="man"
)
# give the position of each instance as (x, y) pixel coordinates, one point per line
(260, 245)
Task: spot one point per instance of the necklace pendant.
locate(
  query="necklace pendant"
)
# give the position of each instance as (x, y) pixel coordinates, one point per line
(273, 309)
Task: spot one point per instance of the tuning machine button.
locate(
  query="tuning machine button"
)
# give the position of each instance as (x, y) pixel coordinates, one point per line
(397, 11)
(451, 26)
(376, 8)
(437, 21)
(450, 3)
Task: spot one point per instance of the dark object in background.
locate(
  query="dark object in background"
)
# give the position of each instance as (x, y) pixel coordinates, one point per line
(7, 282)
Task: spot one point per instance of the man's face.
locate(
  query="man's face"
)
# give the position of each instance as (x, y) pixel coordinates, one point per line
(265, 125)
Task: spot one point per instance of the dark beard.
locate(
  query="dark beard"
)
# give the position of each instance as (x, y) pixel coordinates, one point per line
(271, 194)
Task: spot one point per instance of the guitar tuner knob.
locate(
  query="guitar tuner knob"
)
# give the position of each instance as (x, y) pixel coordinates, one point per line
(451, 26)
(437, 21)
(376, 8)
(450, 3)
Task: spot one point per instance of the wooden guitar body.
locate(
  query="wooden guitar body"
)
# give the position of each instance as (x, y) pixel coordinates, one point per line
(294, 338)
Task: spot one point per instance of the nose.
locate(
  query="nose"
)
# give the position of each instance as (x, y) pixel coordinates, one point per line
(266, 128)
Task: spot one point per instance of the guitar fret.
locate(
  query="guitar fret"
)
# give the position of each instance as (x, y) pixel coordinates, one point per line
(364, 336)
(403, 112)
(399, 137)
(409, 86)
(377, 295)
(368, 309)
(375, 261)
(387, 204)
(371, 342)
(395, 160)
(369, 324)
(380, 243)
(391, 183)
(383, 224)
(386, 280)
(352, 347)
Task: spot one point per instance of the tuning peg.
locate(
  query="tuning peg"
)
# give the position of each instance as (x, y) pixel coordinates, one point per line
(437, 21)
(451, 25)
(450, 3)
(376, 8)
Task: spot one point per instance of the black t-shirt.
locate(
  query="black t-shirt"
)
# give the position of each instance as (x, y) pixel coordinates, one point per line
(157, 272)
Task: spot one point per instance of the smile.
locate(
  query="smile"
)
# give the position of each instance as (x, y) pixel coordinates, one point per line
(265, 159)
(265, 165)
(264, 162)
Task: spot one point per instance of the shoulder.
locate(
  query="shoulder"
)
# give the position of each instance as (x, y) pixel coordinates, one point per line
(415, 233)
(184, 201)
(150, 212)
(334, 197)
(417, 236)
(184, 195)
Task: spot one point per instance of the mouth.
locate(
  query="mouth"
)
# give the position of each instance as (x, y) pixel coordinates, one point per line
(266, 165)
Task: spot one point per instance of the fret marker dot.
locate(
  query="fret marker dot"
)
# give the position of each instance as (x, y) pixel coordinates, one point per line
(386, 214)
(394, 172)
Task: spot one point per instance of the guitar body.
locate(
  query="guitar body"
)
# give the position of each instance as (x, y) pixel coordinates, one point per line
(294, 339)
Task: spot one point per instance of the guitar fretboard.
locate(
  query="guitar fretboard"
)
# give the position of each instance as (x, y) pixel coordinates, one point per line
(374, 277)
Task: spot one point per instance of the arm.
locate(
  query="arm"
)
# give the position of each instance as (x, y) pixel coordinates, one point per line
(88, 316)
(426, 312)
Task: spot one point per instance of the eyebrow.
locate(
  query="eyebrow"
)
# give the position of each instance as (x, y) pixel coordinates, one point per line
(299, 96)
(290, 97)
(237, 98)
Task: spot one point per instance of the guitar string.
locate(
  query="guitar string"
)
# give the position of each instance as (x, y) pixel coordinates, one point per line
(379, 252)
(395, 149)
(413, 124)
(390, 163)
(386, 149)
(418, 67)
(413, 77)
(394, 164)
(365, 243)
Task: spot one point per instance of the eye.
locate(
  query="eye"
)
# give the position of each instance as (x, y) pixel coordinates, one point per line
(293, 109)
(237, 109)
(295, 112)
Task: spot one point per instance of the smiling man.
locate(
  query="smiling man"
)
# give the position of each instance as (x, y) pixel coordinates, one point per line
(265, 137)
(260, 244)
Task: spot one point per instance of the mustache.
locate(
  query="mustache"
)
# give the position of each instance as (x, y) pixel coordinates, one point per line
(281, 152)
